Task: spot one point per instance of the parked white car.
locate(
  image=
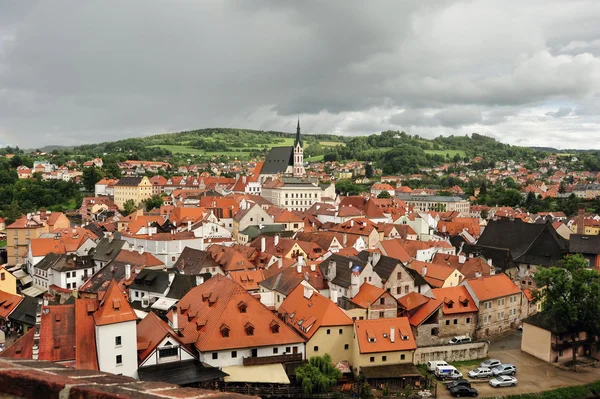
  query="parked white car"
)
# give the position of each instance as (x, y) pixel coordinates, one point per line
(490, 363)
(480, 372)
(503, 381)
(432, 364)
(504, 369)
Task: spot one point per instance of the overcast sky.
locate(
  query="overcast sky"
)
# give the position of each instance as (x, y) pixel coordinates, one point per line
(525, 72)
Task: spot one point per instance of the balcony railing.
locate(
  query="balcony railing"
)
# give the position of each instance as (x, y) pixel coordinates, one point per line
(255, 361)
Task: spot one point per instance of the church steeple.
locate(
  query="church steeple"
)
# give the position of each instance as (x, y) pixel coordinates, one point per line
(298, 168)
(298, 135)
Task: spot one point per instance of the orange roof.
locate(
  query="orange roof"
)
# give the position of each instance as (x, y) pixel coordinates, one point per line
(219, 314)
(394, 249)
(367, 295)
(57, 333)
(375, 335)
(413, 300)
(248, 279)
(151, 331)
(86, 357)
(8, 303)
(309, 314)
(114, 308)
(491, 287)
(22, 348)
(528, 294)
(425, 311)
(456, 299)
(433, 273)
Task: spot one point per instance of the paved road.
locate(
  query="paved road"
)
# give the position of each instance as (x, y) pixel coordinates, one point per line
(533, 374)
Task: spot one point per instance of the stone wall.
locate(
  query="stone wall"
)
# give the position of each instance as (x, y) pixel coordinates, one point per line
(32, 379)
(452, 353)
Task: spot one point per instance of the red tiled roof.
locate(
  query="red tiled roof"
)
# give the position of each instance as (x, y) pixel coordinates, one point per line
(114, 308)
(371, 339)
(491, 287)
(151, 331)
(367, 295)
(86, 357)
(220, 303)
(249, 279)
(8, 303)
(309, 314)
(413, 300)
(425, 311)
(57, 333)
(456, 299)
(21, 348)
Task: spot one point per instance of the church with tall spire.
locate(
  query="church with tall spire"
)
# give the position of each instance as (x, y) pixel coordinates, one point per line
(298, 154)
(285, 161)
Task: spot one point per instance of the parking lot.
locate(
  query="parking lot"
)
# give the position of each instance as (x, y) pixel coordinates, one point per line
(533, 374)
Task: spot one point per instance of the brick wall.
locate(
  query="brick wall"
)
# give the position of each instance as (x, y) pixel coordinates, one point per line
(30, 379)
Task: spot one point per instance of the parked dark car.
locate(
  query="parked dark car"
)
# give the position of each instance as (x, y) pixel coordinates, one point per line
(463, 390)
(457, 383)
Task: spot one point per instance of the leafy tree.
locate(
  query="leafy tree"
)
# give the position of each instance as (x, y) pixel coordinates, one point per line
(90, 177)
(153, 202)
(484, 213)
(368, 170)
(384, 194)
(318, 375)
(129, 206)
(347, 187)
(570, 296)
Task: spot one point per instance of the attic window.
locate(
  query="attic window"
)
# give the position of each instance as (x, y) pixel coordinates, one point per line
(57, 318)
(249, 329)
(274, 327)
(191, 315)
(184, 308)
(212, 301)
(450, 304)
(225, 331)
(205, 296)
(243, 307)
(200, 324)
(465, 302)
(371, 336)
(116, 304)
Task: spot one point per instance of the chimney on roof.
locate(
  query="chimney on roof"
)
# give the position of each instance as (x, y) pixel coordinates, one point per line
(276, 239)
(333, 294)
(127, 271)
(345, 240)
(461, 258)
(263, 244)
(581, 221)
(175, 319)
(301, 260)
(376, 257)
(392, 334)
(199, 280)
(299, 268)
(171, 277)
(189, 228)
(424, 271)
(351, 223)
(141, 249)
(313, 267)
(279, 263)
(350, 264)
(308, 292)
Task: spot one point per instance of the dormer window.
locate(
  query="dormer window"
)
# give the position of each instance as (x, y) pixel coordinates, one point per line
(274, 327)
(450, 304)
(225, 331)
(249, 329)
(242, 307)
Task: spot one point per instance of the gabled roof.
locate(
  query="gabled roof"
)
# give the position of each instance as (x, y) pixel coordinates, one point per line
(309, 311)
(8, 303)
(433, 273)
(342, 266)
(114, 308)
(584, 244)
(192, 261)
(367, 295)
(395, 249)
(383, 265)
(22, 348)
(220, 303)
(375, 335)
(249, 279)
(287, 279)
(413, 301)
(424, 312)
(107, 249)
(492, 287)
(277, 160)
(456, 299)
(151, 331)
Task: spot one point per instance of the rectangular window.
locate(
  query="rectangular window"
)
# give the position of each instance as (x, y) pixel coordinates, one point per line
(399, 275)
(372, 359)
(328, 331)
(455, 321)
(468, 320)
(447, 322)
(346, 347)
(168, 352)
(119, 359)
(406, 288)
(233, 354)
(402, 357)
(316, 349)
(118, 341)
(275, 350)
(383, 358)
(215, 355)
(340, 331)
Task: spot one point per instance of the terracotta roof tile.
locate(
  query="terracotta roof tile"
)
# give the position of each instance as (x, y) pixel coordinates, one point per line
(57, 333)
(367, 295)
(86, 357)
(8, 303)
(309, 314)
(456, 300)
(425, 311)
(371, 339)
(491, 287)
(114, 308)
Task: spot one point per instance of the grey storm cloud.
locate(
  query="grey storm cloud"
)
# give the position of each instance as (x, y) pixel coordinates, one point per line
(86, 71)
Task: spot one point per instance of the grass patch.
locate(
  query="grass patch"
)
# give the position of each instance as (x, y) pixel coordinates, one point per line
(583, 391)
(2, 243)
(331, 143)
(468, 363)
(443, 153)
(179, 149)
(316, 158)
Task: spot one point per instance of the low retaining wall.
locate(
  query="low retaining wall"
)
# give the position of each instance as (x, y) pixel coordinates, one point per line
(452, 353)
